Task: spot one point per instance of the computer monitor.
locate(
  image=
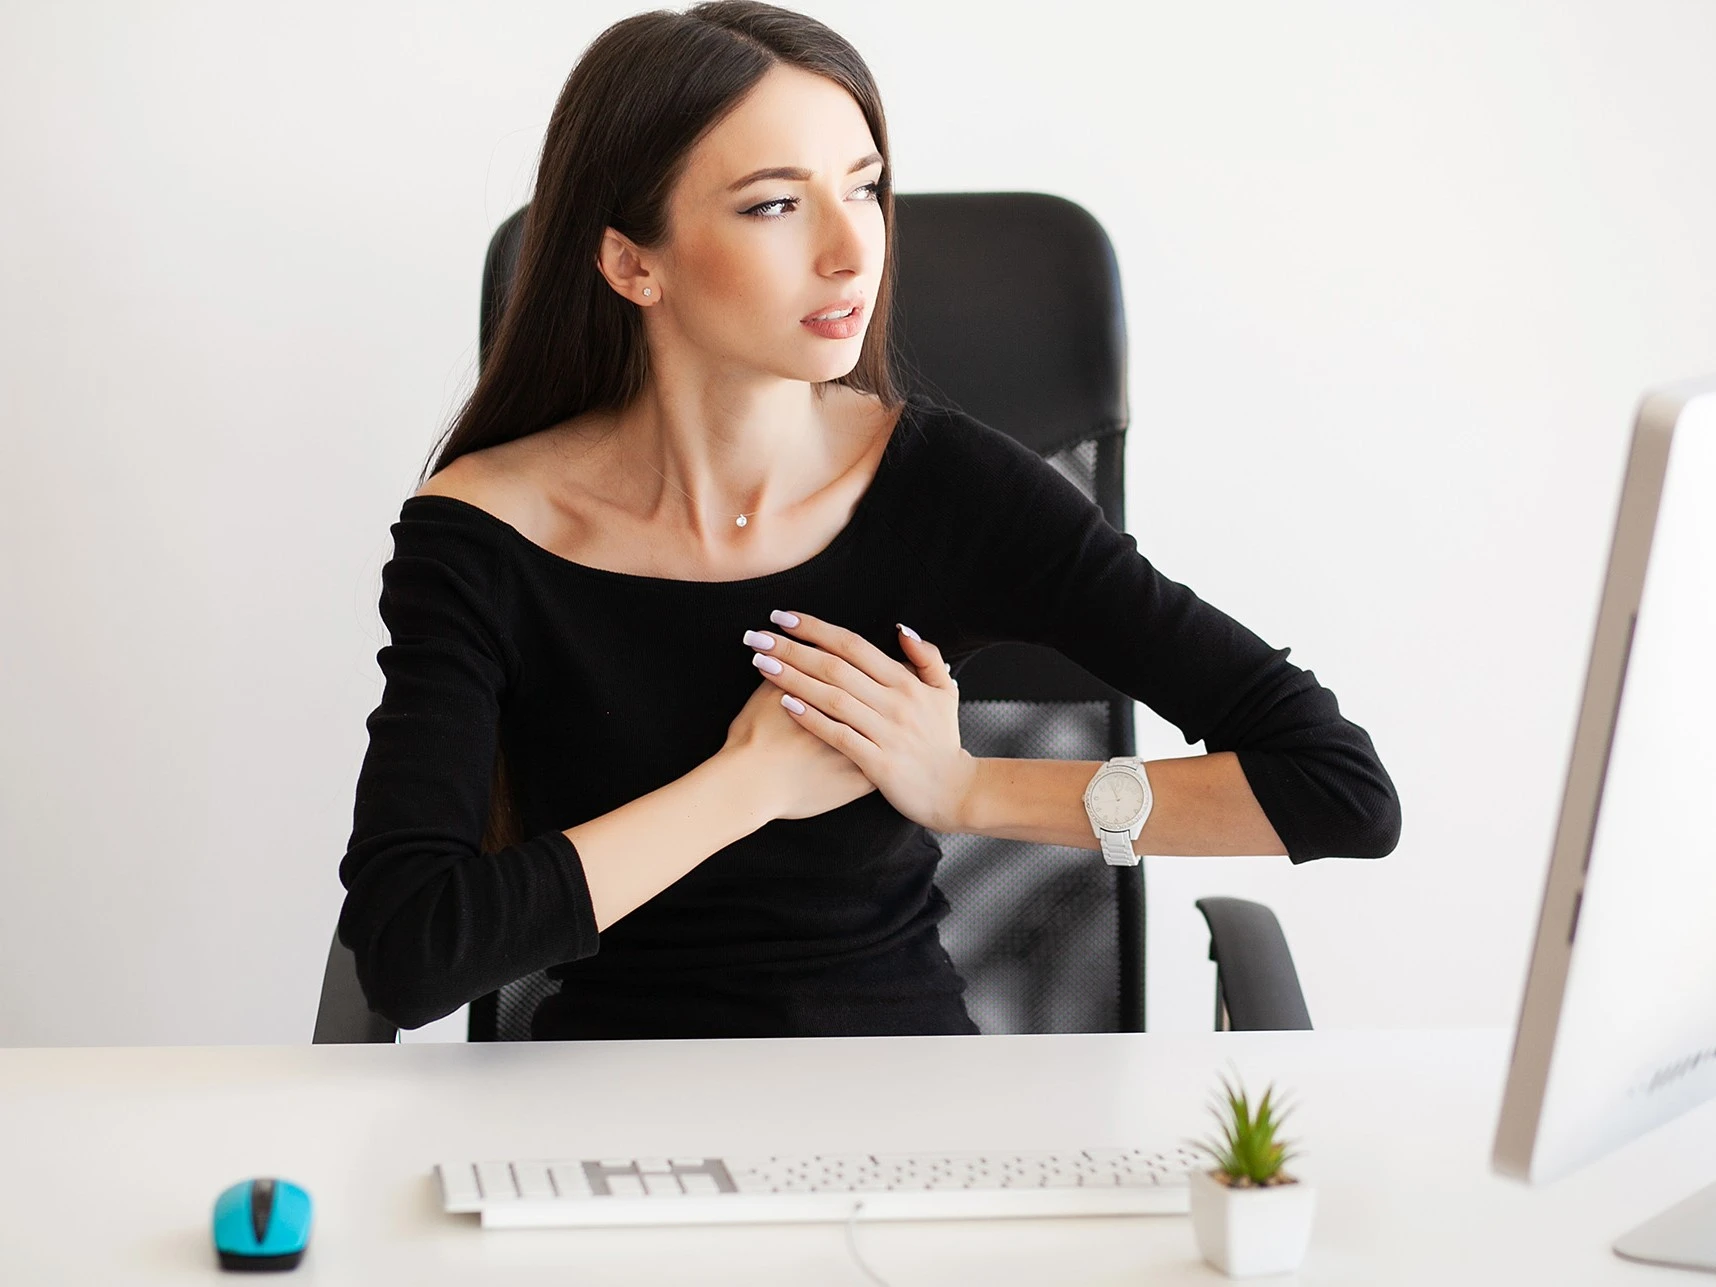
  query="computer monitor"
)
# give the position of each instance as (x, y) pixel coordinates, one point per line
(1617, 1029)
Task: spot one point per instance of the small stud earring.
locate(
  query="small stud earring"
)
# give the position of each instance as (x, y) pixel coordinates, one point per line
(646, 290)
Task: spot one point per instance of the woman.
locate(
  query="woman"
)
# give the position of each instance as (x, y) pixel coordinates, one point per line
(655, 718)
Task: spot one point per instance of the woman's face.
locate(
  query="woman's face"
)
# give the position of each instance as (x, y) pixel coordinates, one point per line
(748, 258)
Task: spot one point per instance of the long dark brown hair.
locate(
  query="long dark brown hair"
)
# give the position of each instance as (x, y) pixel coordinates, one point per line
(641, 96)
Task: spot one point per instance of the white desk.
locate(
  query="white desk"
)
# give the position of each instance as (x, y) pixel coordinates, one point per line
(113, 1156)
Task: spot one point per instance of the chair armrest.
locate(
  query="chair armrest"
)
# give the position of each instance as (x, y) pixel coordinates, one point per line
(344, 1014)
(1257, 988)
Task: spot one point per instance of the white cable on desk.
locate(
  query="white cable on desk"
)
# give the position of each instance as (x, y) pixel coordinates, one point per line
(852, 1246)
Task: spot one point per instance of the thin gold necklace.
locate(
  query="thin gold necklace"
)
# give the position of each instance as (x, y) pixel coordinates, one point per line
(741, 520)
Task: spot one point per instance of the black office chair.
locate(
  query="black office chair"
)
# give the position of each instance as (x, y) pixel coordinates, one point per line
(1008, 307)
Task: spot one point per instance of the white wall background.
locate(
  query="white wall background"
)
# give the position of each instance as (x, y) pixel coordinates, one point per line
(1396, 277)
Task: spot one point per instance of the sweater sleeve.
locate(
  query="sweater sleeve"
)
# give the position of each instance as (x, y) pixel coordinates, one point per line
(433, 922)
(1039, 562)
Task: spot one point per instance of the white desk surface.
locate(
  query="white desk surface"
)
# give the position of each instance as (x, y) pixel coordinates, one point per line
(113, 1156)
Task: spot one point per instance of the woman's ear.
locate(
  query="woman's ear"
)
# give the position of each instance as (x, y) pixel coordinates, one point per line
(622, 264)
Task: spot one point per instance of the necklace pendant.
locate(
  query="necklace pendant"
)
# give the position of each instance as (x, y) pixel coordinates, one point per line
(741, 520)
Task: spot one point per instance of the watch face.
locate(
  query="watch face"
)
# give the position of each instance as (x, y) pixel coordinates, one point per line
(1115, 800)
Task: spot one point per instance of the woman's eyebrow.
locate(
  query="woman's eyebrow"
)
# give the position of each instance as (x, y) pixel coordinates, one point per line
(793, 172)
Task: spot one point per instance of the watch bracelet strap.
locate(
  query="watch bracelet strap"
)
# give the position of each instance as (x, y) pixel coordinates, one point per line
(1117, 847)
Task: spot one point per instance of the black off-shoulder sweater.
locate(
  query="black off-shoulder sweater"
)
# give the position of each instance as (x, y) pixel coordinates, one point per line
(602, 686)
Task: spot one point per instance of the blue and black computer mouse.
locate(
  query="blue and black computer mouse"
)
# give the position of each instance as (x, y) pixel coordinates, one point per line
(261, 1224)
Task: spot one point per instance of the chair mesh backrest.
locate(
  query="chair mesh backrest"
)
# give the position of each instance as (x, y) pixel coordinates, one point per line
(517, 1001)
(1034, 928)
(1048, 938)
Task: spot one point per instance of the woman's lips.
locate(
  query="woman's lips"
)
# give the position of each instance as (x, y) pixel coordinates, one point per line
(838, 328)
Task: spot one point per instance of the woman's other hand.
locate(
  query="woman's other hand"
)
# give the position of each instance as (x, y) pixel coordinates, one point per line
(898, 723)
(798, 774)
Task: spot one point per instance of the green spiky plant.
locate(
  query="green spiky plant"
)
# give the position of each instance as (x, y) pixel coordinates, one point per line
(1247, 1154)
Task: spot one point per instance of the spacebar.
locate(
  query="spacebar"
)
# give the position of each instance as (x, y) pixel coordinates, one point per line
(742, 1208)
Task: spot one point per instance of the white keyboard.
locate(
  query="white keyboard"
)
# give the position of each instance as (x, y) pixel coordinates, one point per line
(891, 1186)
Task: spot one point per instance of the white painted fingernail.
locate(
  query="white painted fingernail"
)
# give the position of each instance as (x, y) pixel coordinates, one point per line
(762, 661)
(786, 619)
(757, 639)
(792, 703)
(907, 630)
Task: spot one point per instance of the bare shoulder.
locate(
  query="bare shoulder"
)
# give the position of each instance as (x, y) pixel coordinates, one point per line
(466, 478)
(494, 479)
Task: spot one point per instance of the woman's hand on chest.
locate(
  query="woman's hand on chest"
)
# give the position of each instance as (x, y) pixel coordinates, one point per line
(898, 722)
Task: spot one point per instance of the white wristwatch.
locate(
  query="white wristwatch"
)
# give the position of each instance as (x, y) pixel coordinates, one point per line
(1118, 801)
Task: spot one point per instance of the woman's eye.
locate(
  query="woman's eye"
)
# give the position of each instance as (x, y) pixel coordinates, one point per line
(873, 188)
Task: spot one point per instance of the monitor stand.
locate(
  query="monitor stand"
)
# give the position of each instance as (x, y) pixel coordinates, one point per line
(1683, 1236)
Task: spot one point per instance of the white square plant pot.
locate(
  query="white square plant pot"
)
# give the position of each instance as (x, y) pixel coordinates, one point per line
(1255, 1230)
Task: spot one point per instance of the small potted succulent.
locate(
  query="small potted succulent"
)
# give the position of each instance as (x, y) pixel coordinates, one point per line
(1250, 1216)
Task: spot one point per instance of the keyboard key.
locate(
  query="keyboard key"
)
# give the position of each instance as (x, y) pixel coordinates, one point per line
(626, 1186)
(1143, 1180)
(699, 1184)
(569, 1179)
(723, 1178)
(533, 1181)
(496, 1181)
(459, 1184)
